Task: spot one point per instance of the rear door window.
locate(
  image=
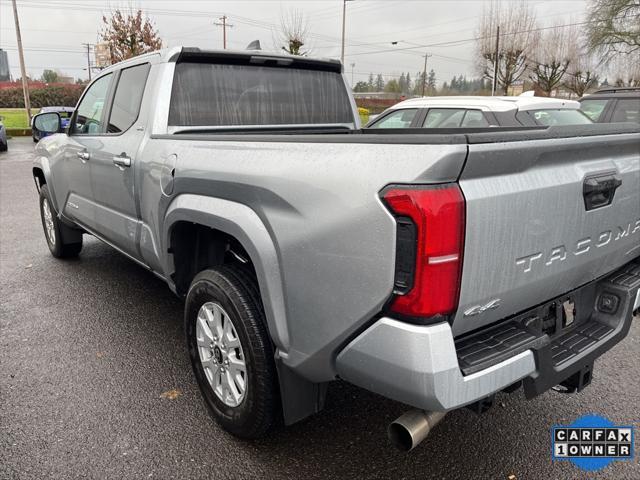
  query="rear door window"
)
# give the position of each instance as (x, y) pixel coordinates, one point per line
(474, 119)
(593, 108)
(397, 119)
(126, 101)
(444, 117)
(627, 110)
(215, 95)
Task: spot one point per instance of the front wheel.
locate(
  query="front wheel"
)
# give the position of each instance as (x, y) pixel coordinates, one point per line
(61, 240)
(231, 352)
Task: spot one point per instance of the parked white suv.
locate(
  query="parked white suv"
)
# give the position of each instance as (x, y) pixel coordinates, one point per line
(477, 112)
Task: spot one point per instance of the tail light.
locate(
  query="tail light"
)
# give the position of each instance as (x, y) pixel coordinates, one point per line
(430, 239)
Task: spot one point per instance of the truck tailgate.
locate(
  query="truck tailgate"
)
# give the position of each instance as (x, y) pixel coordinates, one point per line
(537, 223)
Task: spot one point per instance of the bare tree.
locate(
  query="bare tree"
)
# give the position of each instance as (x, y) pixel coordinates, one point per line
(581, 74)
(517, 21)
(614, 27)
(581, 78)
(129, 34)
(549, 59)
(294, 30)
(625, 71)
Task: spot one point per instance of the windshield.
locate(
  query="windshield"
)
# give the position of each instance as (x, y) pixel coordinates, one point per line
(255, 95)
(559, 117)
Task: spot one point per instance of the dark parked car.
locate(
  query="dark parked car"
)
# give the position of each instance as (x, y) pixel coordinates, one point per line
(3, 137)
(65, 116)
(613, 105)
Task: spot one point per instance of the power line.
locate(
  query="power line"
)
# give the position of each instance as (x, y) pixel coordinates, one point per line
(467, 40)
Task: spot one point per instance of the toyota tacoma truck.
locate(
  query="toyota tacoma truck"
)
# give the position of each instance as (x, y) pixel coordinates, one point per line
(433, 268)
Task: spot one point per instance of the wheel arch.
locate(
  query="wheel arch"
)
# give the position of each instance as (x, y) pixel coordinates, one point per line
(41, 172)
(226, 222)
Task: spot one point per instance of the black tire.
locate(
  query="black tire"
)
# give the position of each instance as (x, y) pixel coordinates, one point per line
(4, 147)
(35, 140)
(237, 293)
(66, 243)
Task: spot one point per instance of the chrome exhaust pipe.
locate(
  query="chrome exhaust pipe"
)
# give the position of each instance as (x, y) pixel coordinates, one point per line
(411, 428)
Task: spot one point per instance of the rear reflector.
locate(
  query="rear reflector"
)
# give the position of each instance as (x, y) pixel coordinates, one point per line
(438, 215)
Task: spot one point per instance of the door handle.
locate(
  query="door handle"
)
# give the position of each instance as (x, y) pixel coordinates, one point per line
(84, 156)
(122, 161)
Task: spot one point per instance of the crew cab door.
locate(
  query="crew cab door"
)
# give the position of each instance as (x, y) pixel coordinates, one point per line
(74, 190)
(113, 162)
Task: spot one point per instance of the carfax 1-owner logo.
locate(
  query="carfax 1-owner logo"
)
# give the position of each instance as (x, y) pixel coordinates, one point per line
(592, 442)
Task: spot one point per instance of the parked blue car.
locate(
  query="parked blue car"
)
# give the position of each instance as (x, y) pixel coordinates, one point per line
(65, 117)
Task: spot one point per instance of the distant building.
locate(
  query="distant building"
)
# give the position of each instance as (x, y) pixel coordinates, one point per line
(5, 73)
(62, 78)
(102, 54)
(516, 88)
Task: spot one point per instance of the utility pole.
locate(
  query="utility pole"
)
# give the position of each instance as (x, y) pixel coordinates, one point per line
(88, 45)
(23, 72)
(494, 85)
(344, 16)
(353, 65)
(224, 26)
(424, 74)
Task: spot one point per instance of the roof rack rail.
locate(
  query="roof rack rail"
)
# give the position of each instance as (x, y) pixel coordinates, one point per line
(618, 90)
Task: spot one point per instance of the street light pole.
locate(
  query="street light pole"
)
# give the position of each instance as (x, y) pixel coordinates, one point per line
(424, 74)
(23, 71)
(494, 85)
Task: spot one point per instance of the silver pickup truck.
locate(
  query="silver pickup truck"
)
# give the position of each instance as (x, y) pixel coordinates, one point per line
(434, 268)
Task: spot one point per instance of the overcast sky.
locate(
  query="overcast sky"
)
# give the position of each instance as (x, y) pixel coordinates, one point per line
(53, 31)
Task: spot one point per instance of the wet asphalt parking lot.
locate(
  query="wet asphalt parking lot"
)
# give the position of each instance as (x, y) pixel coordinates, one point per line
(95, 382)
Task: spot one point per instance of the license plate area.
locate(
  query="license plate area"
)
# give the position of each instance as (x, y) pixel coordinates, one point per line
(568, 312)
(561, 314)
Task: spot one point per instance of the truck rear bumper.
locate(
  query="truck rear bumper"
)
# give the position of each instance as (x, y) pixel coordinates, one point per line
(423, 366)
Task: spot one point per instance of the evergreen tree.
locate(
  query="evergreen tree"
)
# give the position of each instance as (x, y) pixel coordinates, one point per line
(379, 85)
(361, 87)
(431, 81)
(417, 88)
(392, 86)
(402, 83)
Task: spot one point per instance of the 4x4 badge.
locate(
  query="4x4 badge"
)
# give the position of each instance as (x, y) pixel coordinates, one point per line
(478, 309)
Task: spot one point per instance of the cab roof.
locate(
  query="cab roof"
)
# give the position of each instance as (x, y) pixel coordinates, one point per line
(259, 57)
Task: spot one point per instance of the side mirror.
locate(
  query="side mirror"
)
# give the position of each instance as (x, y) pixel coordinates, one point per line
(47, 123)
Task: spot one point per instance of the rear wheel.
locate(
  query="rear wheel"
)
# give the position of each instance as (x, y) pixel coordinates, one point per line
(62, 242)
(231, 352)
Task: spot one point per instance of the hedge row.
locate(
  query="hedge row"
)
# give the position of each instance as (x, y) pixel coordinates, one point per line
(65, 96)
